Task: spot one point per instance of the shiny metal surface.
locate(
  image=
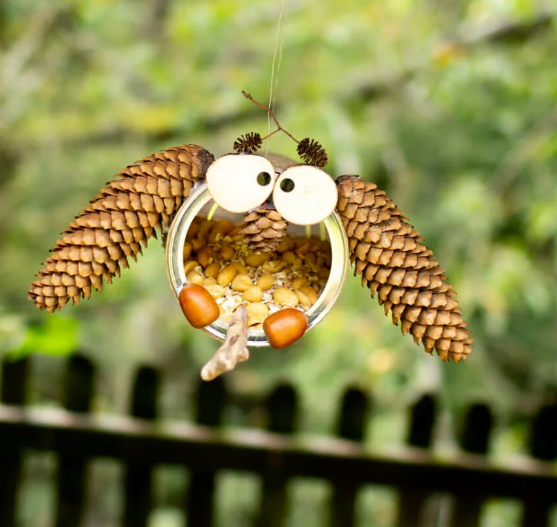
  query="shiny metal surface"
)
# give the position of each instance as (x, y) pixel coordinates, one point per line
(200, 201)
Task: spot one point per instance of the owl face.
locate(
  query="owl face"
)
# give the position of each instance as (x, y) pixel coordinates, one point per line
(302, 194)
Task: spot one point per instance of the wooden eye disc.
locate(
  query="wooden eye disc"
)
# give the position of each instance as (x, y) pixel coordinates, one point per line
(305, 195)
(240, 182)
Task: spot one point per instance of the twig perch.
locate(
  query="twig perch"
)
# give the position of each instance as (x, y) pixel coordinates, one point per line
(233, 350)
(272, 114)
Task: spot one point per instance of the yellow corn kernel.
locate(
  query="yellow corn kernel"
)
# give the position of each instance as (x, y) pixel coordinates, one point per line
(215, 290)
(226, 318)
(187, 250)
(274, 266)
(198, 243)
(285, 297)
(257, 313)
(212, 270)
(252, 294)
(209, 281)
(241, 268)
(266, 281)
(299, 282)
(235, 231)
(226, 275)
(192, 231)
(256, 259)
(227, 253)
(241, 282)
(285, 245)
(303, 299)
(190, 266)
(224, 226)
(314, 245)
(310, 258)
(297, 263)
(302, 249)
(288, 257)
(215, 235)
(205, 256)
(194, 277)
(310, 293)
(205, 225)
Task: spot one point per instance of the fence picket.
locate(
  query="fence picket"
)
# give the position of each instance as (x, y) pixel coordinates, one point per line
(543, 446)
(72, 467)
(138, 476)
(352, 419)
(412, 497)
(474, 439)
(282, 409)
(211, 401)
(14, 383)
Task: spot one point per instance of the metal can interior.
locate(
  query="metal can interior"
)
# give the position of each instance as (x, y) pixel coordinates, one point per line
(199, 203)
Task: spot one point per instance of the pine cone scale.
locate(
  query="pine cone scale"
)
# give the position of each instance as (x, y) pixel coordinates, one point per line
(263, 229)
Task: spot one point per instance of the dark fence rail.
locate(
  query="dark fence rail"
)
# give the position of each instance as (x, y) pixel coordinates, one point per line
(77, 436)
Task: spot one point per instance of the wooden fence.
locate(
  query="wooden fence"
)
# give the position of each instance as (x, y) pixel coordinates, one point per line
(275, 455)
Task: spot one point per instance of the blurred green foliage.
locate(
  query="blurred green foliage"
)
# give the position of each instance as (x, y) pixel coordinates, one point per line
(457, 122)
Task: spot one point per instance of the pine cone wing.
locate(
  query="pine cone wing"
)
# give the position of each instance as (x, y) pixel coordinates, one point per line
(394, 263)
(127, 212)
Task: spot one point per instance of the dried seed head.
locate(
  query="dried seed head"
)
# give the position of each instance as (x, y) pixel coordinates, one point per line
(248, 143)
(312, 152)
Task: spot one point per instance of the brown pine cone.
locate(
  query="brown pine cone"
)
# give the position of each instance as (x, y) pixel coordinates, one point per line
(312, 152)
(264, 229)
(248, 143)
(393, 262)
(140, 199)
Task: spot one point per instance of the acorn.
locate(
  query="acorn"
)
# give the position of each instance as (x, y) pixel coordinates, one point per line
(285, 327)
(198, 305)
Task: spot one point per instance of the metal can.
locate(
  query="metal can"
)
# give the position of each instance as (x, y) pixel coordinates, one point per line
(198, 204)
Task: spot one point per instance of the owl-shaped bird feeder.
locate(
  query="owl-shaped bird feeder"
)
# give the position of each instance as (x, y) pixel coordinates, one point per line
(258, 247)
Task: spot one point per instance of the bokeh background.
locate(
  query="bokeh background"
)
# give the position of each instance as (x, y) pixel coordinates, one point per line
(448, 106)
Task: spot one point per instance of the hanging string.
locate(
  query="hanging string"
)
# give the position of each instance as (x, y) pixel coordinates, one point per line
(274, 80)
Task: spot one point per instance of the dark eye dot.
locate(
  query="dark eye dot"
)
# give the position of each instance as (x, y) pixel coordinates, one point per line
(287, 185)
(263, 178)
